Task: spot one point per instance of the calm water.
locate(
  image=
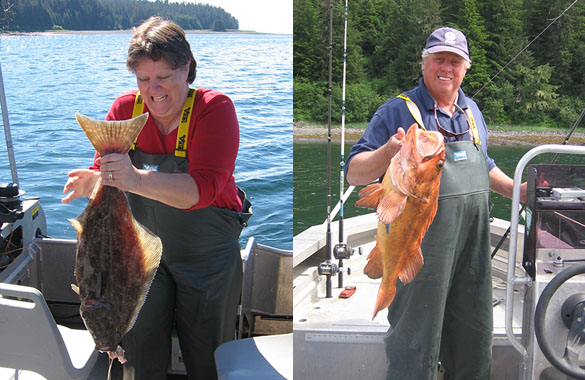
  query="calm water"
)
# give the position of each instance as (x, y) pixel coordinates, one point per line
(310, 181)
(50, 77)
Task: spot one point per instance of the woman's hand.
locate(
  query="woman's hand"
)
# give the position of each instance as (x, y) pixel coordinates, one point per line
(79, 183)
(117, 171)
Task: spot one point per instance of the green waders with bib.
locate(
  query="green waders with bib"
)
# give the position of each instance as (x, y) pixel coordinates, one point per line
(445, 314)
(197, 286)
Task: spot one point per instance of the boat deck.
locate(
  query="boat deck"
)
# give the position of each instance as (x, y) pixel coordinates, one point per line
(341, 330)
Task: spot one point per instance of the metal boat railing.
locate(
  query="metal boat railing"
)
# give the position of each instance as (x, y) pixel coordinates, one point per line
(512, 279)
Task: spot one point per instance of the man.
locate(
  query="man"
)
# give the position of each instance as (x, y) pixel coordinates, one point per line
(445, 314)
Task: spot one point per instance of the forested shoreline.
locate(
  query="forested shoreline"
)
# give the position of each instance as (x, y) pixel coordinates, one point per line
(43, 15)
(544, 85)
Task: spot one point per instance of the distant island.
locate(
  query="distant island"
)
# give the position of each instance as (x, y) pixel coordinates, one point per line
(56, 15)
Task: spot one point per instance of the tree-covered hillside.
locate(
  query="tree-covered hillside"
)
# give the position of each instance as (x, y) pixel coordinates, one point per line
(544, 85)
(41, 15)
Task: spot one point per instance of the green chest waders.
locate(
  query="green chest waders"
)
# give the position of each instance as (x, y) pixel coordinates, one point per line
(197, 285)
(445, 314)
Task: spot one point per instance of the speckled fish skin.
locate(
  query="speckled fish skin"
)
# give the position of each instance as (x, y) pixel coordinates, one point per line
(117, 257)
(406, 203)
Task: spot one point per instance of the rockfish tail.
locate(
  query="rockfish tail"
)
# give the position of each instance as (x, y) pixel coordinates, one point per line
(406, 203)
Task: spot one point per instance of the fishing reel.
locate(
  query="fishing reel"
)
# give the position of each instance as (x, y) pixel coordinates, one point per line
(327, 269)
(342, 251)
(10, 203)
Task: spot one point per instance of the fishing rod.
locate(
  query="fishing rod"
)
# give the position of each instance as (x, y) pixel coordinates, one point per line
(7, 133)
(556, 156)
(328, 268)
(342, 250)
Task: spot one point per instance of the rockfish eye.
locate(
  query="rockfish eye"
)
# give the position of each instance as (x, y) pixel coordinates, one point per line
(440, 165)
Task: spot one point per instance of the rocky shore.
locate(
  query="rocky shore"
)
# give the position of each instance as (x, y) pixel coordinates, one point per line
(497, 136)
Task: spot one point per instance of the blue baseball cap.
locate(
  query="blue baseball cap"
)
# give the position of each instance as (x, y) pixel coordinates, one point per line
(448, 39)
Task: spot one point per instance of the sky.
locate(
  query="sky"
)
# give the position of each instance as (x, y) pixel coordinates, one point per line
(265, 16)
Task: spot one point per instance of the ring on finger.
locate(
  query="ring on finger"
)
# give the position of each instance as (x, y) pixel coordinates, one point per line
(110, 177)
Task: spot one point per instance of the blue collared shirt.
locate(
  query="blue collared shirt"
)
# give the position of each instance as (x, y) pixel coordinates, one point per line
(394, 114)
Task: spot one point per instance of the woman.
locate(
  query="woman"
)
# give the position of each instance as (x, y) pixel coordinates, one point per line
(180, 185)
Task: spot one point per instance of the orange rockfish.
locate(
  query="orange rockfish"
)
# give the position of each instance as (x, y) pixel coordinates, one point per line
(406, 203)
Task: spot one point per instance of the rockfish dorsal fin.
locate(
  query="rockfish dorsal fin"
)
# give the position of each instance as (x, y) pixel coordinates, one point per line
(112, 136)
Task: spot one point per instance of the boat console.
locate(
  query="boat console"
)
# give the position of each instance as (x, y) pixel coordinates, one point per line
(553, 322)
(21, 221)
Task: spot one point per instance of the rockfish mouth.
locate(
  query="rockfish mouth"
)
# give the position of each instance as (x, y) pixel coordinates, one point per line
(409, 167)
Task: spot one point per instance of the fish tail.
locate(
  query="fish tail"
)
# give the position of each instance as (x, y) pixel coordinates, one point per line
(385, 297)
(112, 136)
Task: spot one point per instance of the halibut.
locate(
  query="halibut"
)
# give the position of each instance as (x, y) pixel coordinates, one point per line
(116, 257)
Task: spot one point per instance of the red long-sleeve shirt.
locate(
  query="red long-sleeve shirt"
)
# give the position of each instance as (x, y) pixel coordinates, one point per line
(214, 138)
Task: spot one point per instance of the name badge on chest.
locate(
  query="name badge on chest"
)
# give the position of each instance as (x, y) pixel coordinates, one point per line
(459, 155)
(150, 168)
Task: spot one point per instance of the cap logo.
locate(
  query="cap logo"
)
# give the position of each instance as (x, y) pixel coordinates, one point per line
(450, 38)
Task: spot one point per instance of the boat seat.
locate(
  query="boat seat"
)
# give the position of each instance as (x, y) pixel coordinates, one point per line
(33, 344)
(259, 358)
(266, 286)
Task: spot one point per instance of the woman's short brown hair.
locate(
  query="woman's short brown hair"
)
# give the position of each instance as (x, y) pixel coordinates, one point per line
(157, 38)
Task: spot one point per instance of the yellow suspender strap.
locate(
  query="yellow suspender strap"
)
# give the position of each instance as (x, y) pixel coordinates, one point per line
(474, 131)
(138, 105)
(183, 132)
(414, 111)
(137, 110)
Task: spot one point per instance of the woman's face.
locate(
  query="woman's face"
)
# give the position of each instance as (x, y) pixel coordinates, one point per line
(163, 88)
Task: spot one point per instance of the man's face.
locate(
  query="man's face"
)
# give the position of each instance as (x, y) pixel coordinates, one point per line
(443, 73)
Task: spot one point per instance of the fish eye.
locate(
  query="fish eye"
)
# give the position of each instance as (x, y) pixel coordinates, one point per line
(440, 165)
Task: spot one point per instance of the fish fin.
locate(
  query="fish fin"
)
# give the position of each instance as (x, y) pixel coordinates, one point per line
(391, 206)
(112, 136)
(96, 187)
(412, 268)
(385, 298)
(375, 265)
(75, 288)
(151, 246)
(370, 195)
(77, 224)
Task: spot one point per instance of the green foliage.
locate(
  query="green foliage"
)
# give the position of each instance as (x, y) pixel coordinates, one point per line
(41, 15)
(311, 101)
(543, 85)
